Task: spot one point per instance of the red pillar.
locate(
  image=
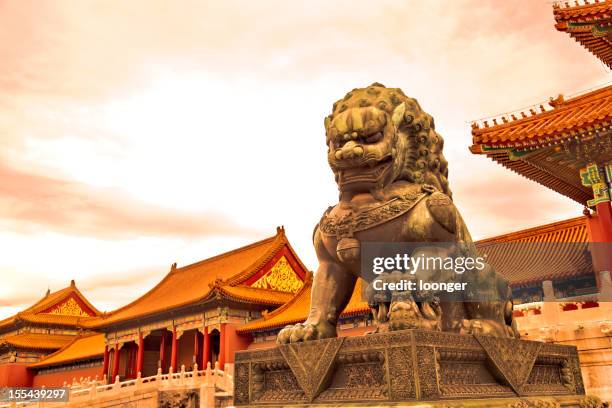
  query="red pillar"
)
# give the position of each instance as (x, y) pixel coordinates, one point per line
(206, 353)
(105, 365)
(115, 363)
(604, 213)
(600, 235)
(162, 351)
(222, 347)
(140, 357)
(173, 355)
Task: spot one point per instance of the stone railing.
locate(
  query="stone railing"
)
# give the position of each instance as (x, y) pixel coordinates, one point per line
(211, 381)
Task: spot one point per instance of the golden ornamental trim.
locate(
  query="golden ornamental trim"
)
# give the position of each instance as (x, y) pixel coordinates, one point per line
(281, 277)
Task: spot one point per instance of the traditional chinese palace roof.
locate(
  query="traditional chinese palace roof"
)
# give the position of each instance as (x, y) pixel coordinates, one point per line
(266, 273)
(551, 146)
(85, 347)
(36, 341)
(62, 308)
(553, 251)
(590, 24)
(296, 310)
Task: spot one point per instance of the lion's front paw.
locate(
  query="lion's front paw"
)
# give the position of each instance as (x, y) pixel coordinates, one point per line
(306, 331)
(484, 326)
(407, 315)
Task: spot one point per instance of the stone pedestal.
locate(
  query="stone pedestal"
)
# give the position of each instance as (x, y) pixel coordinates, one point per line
(409, 367)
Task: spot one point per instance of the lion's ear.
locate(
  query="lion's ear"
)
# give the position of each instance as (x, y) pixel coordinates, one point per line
(398, 114)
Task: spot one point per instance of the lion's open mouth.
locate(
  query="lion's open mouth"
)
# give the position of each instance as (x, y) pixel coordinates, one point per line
(368, 174)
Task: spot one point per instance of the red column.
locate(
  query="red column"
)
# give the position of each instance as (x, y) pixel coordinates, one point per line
(115, 363)
(222, 347)
(162, 351)
(140, 357)
(206, 353)
(604, 213)
(105, 365)
(173, 355)
(600, 234)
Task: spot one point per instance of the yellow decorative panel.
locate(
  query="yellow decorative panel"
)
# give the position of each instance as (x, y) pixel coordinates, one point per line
(69, 308)
(280, 277)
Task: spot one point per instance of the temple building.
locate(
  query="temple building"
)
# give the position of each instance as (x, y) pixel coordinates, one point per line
(42, 329)
(192, 315)
(566, 147)
(81, 358)
(589, 24)
(557, 252)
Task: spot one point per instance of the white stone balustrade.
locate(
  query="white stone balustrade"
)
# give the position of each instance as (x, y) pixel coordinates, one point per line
(211, 380)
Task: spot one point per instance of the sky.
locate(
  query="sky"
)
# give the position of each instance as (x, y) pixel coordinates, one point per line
(138, 134)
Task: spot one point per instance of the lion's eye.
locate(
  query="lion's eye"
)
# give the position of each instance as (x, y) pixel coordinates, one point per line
(374, 138)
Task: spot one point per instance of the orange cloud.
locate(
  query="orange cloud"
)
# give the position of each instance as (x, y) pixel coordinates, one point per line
(31, 202)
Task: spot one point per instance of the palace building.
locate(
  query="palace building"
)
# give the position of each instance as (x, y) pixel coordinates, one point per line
(40, 330)
(566, 147)
(192, 315)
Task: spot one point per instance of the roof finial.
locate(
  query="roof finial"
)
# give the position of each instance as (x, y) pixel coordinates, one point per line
(72, 283)
(280, 230)
(48, 291)
(556, 102)
(173, 267)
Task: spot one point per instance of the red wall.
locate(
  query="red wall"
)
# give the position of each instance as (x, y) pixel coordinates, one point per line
(57, 379)
(234, 342)
(15, 375)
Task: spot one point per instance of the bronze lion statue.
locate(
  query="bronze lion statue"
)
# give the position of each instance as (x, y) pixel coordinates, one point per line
(393, 181)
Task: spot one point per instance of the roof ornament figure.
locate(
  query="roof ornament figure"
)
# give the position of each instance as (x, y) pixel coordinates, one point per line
(556, 102)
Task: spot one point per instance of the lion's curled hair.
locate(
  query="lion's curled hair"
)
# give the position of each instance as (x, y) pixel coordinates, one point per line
(425, 162)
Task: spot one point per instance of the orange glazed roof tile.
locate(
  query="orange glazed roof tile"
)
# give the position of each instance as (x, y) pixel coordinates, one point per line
(589, 24)
(296, 310)
(553, 251)
(197, 282)
(255, 295)
(585, 112)
(546, 147)
(40, 312)
(80, 348)
(37, 341)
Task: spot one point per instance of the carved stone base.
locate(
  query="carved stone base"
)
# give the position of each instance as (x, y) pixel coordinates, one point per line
(409, 366)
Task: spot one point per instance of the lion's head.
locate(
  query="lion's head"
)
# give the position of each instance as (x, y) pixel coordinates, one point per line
(378, 135)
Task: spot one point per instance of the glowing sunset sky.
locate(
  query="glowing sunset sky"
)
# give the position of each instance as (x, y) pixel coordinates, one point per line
(136, 134)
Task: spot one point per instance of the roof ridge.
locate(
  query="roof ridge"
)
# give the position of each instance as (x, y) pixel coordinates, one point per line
(254, 267)
(224, 254)
(537, 230)
(174, 270)
(570, 103)
(47, 301)
(558, 6)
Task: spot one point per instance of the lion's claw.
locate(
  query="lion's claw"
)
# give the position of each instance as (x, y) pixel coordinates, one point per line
(484, 326)
(305, 332)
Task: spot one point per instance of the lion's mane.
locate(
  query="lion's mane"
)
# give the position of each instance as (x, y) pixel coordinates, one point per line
(425, 162)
